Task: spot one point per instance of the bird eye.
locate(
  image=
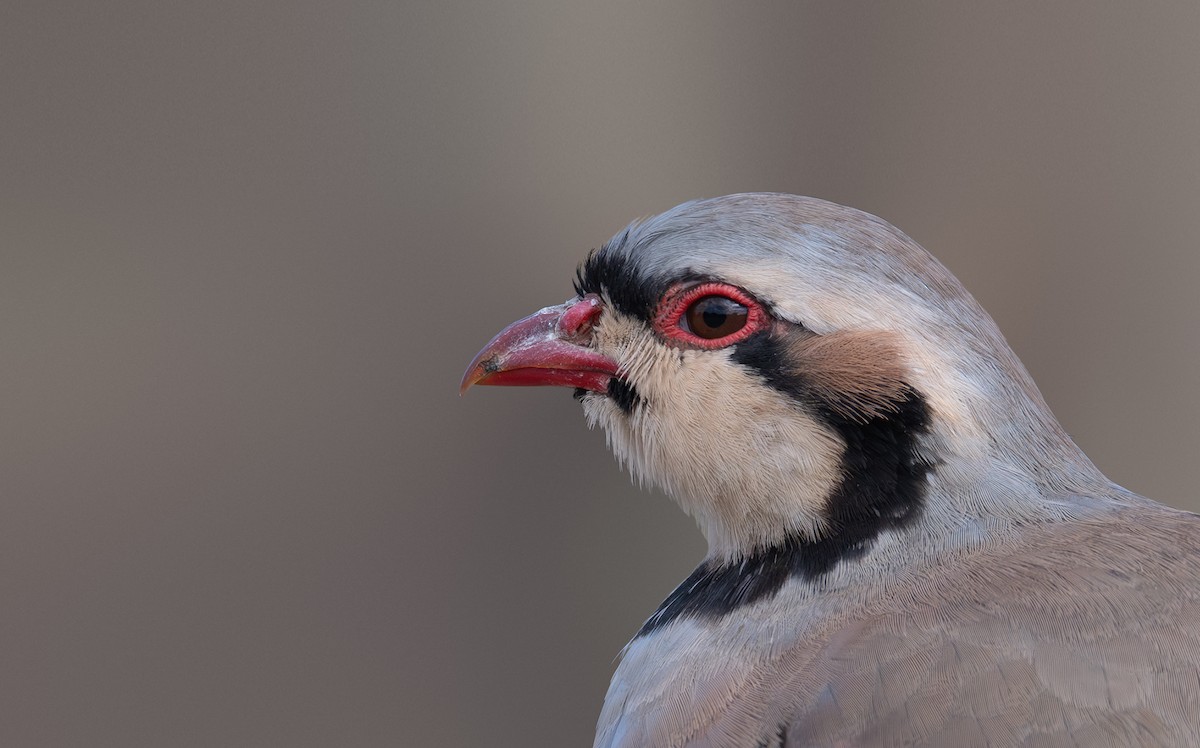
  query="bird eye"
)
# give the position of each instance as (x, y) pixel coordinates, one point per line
(709, 315)
(713, 317)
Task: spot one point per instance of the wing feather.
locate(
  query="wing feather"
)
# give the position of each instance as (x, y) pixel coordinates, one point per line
(1086, 635)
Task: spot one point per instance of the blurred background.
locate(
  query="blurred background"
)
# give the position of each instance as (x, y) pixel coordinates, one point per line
(247, 249)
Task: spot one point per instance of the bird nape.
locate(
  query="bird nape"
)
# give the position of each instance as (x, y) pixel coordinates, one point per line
(904, 546)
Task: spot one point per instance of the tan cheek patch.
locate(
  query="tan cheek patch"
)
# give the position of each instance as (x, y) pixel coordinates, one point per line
(859, 375)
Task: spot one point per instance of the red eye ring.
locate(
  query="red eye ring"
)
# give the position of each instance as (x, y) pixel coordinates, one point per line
(670, 320)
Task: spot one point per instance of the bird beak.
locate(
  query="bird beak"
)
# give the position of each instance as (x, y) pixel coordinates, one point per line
(546, 348)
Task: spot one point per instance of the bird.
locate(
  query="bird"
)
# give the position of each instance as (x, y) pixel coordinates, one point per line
(904, 546)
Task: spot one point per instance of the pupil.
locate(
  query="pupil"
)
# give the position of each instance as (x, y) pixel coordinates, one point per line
(714, 317)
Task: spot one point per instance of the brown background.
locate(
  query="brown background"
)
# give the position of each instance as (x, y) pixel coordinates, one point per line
(246, 249)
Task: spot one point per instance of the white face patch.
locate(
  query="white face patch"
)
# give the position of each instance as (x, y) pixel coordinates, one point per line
(744, 459)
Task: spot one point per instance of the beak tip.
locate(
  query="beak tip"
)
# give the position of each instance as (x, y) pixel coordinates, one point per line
(472, 376)
(476, 371)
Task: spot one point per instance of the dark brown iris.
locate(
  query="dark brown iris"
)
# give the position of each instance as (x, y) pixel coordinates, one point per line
(712, 317)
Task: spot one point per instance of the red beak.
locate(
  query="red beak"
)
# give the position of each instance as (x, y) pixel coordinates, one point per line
(546, 348)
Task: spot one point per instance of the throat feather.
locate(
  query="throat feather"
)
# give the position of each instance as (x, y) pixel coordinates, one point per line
(882, 487)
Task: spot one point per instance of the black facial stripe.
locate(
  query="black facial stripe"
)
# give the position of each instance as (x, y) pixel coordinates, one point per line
(883, 473)
(624, 394)
(607, 272)
(882, 487)
(714, 590)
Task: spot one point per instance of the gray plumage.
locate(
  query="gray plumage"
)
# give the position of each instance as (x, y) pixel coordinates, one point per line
(1006, 594)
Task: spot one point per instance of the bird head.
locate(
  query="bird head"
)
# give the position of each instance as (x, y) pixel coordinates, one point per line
(788, 370)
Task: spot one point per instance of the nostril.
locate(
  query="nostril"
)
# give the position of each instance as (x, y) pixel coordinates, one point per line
(579, 318)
